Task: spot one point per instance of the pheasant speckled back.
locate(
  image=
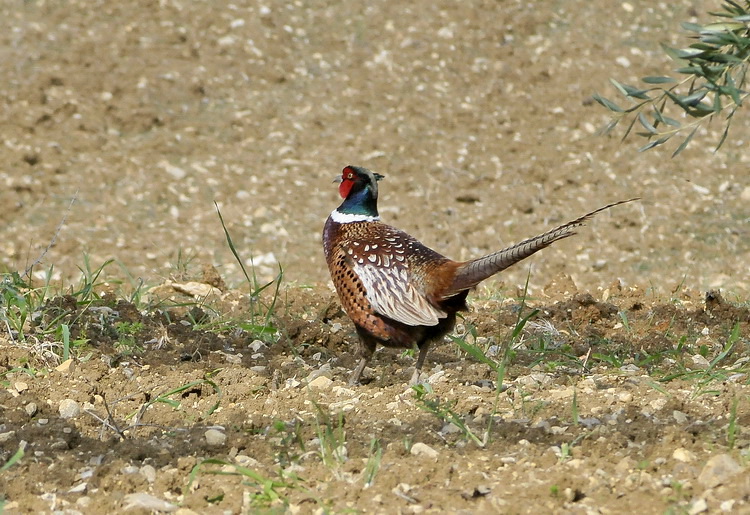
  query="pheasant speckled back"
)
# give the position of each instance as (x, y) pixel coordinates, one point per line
(398, 292)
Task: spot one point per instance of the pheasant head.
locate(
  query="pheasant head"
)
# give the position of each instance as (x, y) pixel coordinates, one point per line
(359, 189)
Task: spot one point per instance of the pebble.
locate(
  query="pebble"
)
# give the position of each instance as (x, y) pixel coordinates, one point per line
(700, 362)
(679, 417)
(149, 472)
(257, 345)
(698, 506)
(69, 408)
(535, 379)
(147, 502)
(422, 449)
(20, 386)
(630, 369)
(215, 437)
(31, 409)
(321, 382)
(78, 489)
(625, 397)
(683, 455)
(246, 461)
(718, 470)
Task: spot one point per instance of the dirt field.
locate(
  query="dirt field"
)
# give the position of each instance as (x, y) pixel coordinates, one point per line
(123, 123)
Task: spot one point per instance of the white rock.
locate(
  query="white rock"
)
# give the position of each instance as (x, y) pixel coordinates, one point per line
(147, 502)
(257, 345)
(78, 489)
(246, 461)
(679, 417)
(625, 397)
(196, 289)
(175, 171)
(422, 449)
(149, 472)
(683, 455)
(20, 386)
(700, 362)
(698, 506)
(215, 437)
(69, 408)
(718, 470)
(321, 382)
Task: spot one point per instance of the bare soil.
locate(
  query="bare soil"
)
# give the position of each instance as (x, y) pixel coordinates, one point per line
(123, 123)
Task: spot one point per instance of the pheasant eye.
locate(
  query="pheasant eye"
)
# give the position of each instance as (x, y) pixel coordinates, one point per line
(350, 175)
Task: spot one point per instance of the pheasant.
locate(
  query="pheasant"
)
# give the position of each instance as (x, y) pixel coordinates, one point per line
(397, 291)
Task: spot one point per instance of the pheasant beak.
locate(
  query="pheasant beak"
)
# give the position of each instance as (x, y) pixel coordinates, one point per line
(338, 180)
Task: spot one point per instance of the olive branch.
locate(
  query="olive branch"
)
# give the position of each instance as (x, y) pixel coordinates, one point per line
(714, 69)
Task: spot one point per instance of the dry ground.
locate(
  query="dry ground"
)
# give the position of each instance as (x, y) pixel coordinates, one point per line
(479, 113)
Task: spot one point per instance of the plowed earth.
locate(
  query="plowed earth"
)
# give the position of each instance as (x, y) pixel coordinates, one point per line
(123, 122)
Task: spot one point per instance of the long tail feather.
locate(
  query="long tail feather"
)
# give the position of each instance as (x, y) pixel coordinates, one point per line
(473, 272)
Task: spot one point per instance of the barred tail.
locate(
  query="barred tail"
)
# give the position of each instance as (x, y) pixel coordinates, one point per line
(471, 273)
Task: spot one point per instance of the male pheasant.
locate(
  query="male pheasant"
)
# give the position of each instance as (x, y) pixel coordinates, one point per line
(397, 291)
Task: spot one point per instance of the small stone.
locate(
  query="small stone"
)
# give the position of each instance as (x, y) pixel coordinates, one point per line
(679, 417)
(31, 409)
(718, 470)
(257, 345)
(78, 489)
(69, 408)
(197, 290)
(625, 397)
(246, 461)
(20, 386)
(147, 502)
(321, 382)
(215, 437)
(4, 437)
(683, 455)
(65, 366)
(175, 171)
(149, 472)
(422, 449)
(335, 327)
(698, 506)
(450, 428)
(700, 362)
(745, 195)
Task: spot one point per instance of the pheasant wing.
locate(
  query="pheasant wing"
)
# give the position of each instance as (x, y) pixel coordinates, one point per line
(393, 295)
